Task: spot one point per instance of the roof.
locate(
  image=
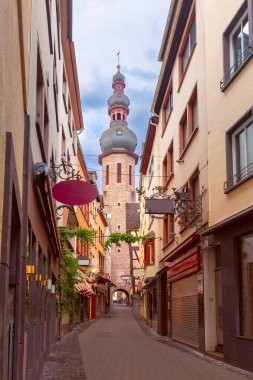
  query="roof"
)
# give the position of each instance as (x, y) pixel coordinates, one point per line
(132, 216)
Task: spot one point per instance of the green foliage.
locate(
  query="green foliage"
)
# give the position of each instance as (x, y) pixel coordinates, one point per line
(127, 237)
(69, 268)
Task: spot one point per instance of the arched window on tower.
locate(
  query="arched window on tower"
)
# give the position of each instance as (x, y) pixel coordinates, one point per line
(118, 116)
(113, 116)
(124, 117)
(119, 132)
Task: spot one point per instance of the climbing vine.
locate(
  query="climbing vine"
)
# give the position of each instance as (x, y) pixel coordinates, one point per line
(127, 237)
(69, 268)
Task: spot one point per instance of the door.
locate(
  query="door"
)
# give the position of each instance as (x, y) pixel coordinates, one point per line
(218, 296)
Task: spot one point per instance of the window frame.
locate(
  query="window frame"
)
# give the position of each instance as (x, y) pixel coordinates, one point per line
(184, 43)
(228, 74)
(169, 99)
(188, 117)
(230, 184)
(119, 172)
(107, 174)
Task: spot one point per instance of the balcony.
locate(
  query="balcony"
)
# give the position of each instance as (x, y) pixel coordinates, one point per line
(237, 67)
(238, 178)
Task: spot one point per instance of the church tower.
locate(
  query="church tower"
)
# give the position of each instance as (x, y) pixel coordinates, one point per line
(118, 162)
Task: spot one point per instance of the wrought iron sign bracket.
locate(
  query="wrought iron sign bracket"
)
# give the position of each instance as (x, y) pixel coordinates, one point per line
(64, 171)
(59, 211)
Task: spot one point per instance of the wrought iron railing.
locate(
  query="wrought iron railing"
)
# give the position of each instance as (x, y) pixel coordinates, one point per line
(238, 177)
(234, 69)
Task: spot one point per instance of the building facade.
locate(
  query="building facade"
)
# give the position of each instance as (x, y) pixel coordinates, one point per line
(228, 257)
(118, 162)
(203, 146)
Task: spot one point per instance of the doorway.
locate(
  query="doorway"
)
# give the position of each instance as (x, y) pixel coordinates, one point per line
(218, 297)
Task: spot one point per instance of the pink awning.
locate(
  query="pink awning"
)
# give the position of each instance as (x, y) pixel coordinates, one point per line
(84, 289)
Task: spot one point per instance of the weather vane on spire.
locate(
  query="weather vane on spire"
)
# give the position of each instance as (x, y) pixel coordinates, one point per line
(118, 66)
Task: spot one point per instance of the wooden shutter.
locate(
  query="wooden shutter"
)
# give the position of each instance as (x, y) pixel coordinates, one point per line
(146, 254)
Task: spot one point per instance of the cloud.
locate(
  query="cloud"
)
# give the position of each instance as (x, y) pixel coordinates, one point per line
(101, 29)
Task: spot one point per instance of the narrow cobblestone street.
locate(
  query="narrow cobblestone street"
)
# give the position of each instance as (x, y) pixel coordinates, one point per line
(119, 347)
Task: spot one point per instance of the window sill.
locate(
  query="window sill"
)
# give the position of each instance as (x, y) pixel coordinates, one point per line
(230, 188)
(227, 83)
(167, 244)
(186, 68)
(188, 143)
(166, 123)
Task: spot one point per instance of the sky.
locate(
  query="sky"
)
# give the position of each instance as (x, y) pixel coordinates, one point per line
(102, 28)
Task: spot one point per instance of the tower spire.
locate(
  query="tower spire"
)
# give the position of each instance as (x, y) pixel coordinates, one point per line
(118, 66)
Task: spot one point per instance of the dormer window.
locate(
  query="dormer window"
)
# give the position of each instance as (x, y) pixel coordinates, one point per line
(119, 132)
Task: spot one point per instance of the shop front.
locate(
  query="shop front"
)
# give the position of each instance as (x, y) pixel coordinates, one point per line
(150, 294)
(228, 261)
(185, 293)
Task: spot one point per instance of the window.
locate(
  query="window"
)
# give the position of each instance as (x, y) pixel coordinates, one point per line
(118, 172)
(188, 46)
(119, 132)
(168, 165)
(242, 141)
(151, 170)
(149, 252)
(107, 175)
(118, 204)
(113, 117)
(239, 149)
(130, 174)
(237, 43)
(64, 90)
(168, 106)
(246, 278)
(168, 229)
(189, 122)
(118, 250)
(193, 185)
(118, 116)
(63, 147)
(118, 227)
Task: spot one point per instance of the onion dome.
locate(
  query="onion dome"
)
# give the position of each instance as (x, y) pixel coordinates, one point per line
(118, 76)
(118, 137)
(118, 99)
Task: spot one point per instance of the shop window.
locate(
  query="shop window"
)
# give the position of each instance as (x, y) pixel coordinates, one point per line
(149, 252)
(246, 277)
(118, 172)
(237, 43)
(239, 150)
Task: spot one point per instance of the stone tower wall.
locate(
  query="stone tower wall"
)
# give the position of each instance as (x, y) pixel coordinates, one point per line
(116, 195)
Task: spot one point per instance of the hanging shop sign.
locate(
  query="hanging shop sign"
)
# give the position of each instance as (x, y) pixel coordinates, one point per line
(84, 262)
(74, 192)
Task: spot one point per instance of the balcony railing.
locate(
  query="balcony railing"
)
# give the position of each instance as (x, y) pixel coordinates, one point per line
(247, 53)
(238, 177)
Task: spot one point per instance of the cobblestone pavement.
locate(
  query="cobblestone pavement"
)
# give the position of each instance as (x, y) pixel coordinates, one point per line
(116, 348)
(65, 362)
(120, 347)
